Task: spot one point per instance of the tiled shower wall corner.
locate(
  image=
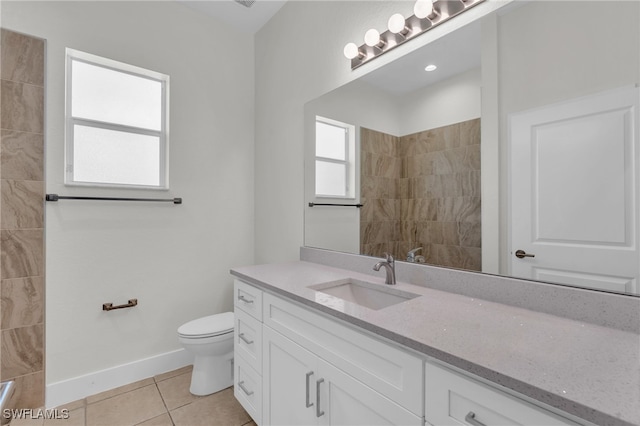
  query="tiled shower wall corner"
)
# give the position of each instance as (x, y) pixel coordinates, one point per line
(423, 190)
(380, 215)
(22, 217)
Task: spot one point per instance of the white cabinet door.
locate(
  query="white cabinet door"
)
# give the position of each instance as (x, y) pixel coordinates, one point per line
(346, 401)
(385, 368)
(289, 380)
(301, 389)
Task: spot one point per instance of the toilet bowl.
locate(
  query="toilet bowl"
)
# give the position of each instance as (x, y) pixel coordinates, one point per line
(210, 340)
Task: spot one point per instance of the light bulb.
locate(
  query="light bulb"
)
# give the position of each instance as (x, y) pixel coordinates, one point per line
(372, 37)
(396, 23)
(423, 8)
(351, 51)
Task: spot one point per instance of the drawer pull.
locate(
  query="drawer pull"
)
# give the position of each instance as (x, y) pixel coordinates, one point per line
(244, 339)
(308, 404)
(245, 390)
(244, 299)
(471, 419)
(319, 413)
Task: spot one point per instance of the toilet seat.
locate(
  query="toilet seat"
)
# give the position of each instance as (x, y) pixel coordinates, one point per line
(210, 326)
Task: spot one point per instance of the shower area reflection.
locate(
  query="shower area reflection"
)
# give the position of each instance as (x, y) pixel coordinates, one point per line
(423, 190)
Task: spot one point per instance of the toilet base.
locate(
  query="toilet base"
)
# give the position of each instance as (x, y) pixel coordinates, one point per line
(211, 374)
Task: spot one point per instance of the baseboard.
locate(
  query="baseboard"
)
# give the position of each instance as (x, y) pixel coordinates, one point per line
(69, 390)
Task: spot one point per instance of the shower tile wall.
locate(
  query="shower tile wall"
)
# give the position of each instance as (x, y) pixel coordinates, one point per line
(380, 168)
(423, 190)
(22, 216)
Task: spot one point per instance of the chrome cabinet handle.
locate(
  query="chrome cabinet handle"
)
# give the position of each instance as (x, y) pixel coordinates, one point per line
(244, 299)
(521, 254)
(319, 413)
(244, 339)
(471, 419)
(245, 390)
(308, 404)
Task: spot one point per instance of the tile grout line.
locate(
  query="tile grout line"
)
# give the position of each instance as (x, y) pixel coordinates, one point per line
(155, 382)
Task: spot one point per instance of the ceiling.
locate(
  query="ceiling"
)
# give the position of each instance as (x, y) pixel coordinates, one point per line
(245, 19)
(456, 53)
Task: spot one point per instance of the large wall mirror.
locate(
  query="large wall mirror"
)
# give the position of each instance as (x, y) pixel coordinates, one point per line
(518, 155)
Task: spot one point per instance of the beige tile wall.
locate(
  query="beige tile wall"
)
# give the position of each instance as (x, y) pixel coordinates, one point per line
(423, 190)
(380, 215)
(22, 216)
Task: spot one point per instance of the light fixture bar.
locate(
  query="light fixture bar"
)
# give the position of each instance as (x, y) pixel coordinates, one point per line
(443, 10)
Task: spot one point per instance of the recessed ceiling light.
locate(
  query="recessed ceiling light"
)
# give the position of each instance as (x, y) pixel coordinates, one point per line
(430, 67)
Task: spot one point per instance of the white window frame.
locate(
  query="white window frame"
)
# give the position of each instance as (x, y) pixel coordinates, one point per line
(349, 161)
(163, 133)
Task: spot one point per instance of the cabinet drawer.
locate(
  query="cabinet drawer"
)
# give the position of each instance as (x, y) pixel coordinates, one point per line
(453, 399)
(248, 339)
(247, 388)
(248, 298)
(387, 369)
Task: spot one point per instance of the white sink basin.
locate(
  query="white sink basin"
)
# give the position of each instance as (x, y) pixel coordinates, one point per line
(363, 293)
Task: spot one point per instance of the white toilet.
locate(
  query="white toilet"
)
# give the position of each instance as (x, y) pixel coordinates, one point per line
(210, 339)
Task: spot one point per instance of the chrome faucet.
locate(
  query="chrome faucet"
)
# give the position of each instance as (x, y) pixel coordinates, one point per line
(413, 256)
(390, 266)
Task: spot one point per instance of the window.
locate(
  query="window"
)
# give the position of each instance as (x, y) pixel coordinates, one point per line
(116, 124)
(335, 153)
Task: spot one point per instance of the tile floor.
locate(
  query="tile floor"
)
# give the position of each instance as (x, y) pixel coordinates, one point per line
(163, 400)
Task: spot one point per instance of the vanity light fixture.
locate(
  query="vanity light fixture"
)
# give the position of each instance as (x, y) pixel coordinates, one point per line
(372, 38)
(351, 51)
(427, 14)
(398, 25)
(423, 8)
(430, 68)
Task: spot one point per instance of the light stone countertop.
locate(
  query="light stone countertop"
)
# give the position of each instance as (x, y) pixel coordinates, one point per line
(586, 370)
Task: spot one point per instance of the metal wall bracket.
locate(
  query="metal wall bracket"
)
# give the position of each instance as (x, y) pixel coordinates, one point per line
(110, 307)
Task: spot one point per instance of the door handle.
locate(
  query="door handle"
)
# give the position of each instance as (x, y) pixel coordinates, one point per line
(319, 413)
(471, 419)
(244, 389)
(244, 339)
(521, 254)
(244, 299)
(308, 404)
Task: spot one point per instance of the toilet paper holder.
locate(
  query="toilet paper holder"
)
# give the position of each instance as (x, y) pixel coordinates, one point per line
(110, 307)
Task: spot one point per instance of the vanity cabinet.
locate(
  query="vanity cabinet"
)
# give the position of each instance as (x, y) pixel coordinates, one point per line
(294, 366)
(301, 388)
(392, 372)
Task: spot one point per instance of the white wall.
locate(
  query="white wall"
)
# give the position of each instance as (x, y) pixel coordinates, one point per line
(448, 102)
(174, 259)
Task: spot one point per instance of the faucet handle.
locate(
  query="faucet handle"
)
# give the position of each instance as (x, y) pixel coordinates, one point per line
(388, 257)
(411, 254)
